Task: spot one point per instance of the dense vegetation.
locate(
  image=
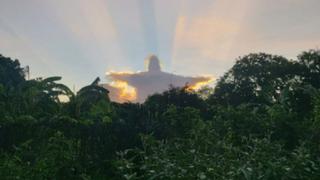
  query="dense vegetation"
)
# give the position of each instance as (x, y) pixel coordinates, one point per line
(261, 121)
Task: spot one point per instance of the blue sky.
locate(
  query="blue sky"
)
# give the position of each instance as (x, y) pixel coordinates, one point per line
(83, 39)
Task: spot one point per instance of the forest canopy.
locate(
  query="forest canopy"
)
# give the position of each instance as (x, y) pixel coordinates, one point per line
(260, 121)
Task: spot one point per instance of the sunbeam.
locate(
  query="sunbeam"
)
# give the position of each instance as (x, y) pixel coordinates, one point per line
(192, 37)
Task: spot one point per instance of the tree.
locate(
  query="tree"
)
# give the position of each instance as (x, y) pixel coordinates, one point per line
(180, 97)
(310, 62)
(255, 78)
(11, 74)
(40, 96)
(88, 98)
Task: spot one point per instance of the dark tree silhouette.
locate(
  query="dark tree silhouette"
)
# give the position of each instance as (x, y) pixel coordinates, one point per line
(255, 78)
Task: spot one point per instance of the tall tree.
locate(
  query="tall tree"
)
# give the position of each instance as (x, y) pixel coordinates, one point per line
(255, 78)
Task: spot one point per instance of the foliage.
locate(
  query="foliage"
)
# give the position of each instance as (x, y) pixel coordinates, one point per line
(310, 62)
(11, 74)
(255, 78)
(216, 159)
(261, 121)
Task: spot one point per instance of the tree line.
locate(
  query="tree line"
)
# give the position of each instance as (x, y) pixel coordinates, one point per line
(260, 121)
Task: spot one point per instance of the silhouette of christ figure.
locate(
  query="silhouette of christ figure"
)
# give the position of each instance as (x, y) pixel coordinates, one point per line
(153, 80)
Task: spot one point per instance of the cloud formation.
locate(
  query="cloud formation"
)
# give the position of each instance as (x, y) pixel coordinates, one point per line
(136, 87)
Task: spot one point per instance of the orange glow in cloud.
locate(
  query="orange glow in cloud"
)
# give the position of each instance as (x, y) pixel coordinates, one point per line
(200, 84)
(119, 72)
(126, 92)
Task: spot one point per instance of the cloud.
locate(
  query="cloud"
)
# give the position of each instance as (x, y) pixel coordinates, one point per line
(209, 36)
(19, 46)
(127, 86)
(92, 29)
(71, 37)
(215, 35)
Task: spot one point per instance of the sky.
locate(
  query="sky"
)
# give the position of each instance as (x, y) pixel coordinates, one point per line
(82, 39)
